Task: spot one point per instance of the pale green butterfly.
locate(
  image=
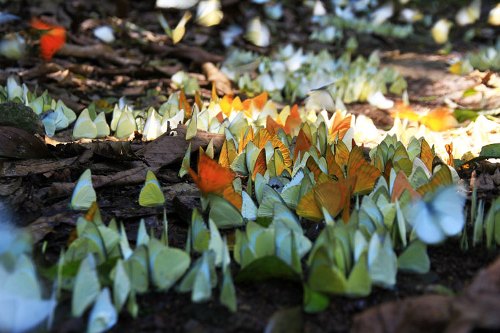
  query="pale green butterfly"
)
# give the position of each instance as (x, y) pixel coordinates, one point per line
(20, 297)
(101, 125)
(167, 264)
(121, 285)
(382, 261)
(86, 287)
(83, 194)
(151, 194)
(126, 125)
(84, 126)
(103, 315)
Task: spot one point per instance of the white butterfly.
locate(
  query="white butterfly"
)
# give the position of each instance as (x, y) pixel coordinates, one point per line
(443, 216)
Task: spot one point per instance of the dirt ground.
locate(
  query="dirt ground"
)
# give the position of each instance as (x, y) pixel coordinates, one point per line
(141, 71)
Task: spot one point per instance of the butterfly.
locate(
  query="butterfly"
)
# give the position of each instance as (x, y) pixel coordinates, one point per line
(151, 194)
(438, 119)
(125, 125)
(214, 178)
(83, 194)
(86, 287)
(101, 125)
(178, 33)
(334, 196)
(23, 307)
(439, 217)
(341, 122)
(209, 13)
(52, 39)
(103, 315)
(84, 126)
(258, 33)
(355, 166)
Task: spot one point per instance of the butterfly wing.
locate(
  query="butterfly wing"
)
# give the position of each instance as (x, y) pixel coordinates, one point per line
(84, 126)
(151, 195)
(439, 178)
(424, 223)
(83, 194)
(365, 173)
(211, 177)
(448, 207)
(52, 39)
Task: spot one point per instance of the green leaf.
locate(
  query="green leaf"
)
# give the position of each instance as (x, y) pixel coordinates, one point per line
(359, 283)
(462, 115)
(414, 258)
(265, 268)
(469, 92)
(314, 301)
(228, 292)
(285, 320)
(327, 278)
(490, 151)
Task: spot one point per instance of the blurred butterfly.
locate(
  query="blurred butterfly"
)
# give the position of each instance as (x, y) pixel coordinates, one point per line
(103, 315)
(178, 32)
(258, 33)
(178, 4)
(209, 13)
(441, 216)
(52, 39)
(438, 119)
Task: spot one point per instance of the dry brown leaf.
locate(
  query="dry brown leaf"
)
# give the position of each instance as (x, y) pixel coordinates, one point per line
(17, 143)
(214, 75)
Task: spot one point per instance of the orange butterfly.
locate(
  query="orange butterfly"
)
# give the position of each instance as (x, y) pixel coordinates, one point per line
(293, 120)
(401, 184)
(426, 154)
(184, 104)
(365, 173)
(214, 178)
(356, 167)
(52, 39)
(334, 196)
(438, 119)
(273, 126)
(257, 102)
(340, 125)
(302, 144)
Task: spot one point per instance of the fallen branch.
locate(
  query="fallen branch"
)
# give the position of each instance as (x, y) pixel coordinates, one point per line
(96, 51)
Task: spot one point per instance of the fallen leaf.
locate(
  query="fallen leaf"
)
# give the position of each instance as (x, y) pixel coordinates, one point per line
(221, 81)
(17, 143)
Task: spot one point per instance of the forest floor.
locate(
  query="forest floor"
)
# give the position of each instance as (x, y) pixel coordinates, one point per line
(141, 72)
